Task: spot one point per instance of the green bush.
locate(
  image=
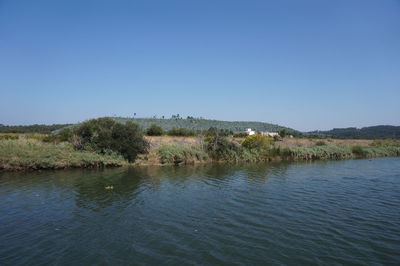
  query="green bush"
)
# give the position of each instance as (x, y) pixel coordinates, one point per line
(257, 142)
(181, 132)
(104, 134)
(154, 130)
(212, 131)
(358, 150)
(219, 148)
(176, 154)
(240, 135)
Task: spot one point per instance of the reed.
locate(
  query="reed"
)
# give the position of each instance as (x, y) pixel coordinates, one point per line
(176, 154)
(32, 154)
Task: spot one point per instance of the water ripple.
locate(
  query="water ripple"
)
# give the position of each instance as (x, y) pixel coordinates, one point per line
(248, 214)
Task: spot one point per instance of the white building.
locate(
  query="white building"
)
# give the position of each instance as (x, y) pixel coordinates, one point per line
(249, 132)
(269, 134)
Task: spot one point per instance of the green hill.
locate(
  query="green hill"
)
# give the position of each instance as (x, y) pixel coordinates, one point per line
(374, 132)
(32, 128)
(196, 124)
(204, 124)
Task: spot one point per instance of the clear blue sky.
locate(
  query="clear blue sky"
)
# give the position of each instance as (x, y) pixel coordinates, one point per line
(309, 64)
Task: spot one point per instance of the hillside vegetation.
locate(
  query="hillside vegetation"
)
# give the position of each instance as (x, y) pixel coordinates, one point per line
(44, 129)
(198, 124)
(374, 132)
(172, 150)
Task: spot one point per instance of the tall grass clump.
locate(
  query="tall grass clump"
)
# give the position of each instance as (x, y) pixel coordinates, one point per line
(324, 152)
(155, 130)
(32, 154)
(257, 142)
(177, 154)
(358, 151)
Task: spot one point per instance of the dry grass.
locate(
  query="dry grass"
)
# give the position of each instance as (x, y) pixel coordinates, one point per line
(157, 141)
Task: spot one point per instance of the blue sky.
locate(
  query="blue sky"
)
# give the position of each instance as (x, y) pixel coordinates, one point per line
(308, 64)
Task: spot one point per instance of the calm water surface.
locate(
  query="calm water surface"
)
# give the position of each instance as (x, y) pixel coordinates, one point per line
(345, 212)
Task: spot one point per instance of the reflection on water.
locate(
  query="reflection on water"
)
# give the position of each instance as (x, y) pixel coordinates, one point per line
(316, 213)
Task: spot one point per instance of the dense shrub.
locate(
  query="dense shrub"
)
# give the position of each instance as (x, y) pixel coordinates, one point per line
(154, 130)
(176, 154)
(358, 150)
(220, 148)
(257, 142)
(240, 135)
(181, 132)
(104, 134)
(212, 131)
(283, 133)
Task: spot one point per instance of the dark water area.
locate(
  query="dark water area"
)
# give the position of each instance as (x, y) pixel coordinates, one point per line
(340, 212)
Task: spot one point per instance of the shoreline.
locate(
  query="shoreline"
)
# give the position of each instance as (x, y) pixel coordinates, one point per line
(127, 165)
(34, 155)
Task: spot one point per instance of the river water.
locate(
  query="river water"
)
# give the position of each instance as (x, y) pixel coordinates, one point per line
(338, 212)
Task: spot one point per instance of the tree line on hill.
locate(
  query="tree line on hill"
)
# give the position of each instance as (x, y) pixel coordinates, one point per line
(36, 128)
(174, 126)
(374, 132)
(200, 124)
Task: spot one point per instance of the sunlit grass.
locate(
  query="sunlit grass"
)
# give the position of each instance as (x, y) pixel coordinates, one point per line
(33, 154)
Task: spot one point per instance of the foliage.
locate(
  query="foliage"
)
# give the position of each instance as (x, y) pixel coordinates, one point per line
(181, 132)
(374, 132)
(32, 128)
(333, 152)
(212, 131)
(32, 154)
(240, 135)
(155, 130)
(283, 133)
(219, 148)
(62, 135)
(8, 136)
(358, 150)
(386, 142)
(104, 134)
(200, 124)
(325, 152)
(257, 142)
(176, 154)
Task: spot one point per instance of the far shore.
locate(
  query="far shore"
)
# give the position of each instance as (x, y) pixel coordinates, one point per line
(29, 153)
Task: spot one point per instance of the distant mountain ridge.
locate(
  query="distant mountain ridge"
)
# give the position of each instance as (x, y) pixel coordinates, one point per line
(373, 132)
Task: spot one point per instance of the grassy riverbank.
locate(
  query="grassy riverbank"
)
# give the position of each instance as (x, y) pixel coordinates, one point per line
(189, 150)
(24, 154)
